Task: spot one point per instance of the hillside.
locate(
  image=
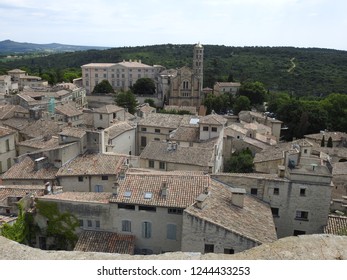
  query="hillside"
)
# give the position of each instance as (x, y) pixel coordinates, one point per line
(299, 71)
(10, 47)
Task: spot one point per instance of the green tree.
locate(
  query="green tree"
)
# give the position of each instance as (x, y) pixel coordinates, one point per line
(150, 102)
(241, 103)
(330, 142)
(255, 91)
(144, 86)
(127, 100)
(240, 162)
(103, 87)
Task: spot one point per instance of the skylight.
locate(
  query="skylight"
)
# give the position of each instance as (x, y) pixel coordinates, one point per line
(148, 195)
(127, 194)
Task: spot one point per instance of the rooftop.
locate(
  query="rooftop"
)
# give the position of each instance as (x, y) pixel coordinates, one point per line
(182, 189)
(20, 190)
(88, 197)
(228, 84)
(213, 119)
(253, 221)
(105, 242)
(73, 132)
(5, 131)
(340, 168)
(118, 128)
(98, 65)
(67, 110)
(185, 134)
(8, 111)
(16, 123)
(161, 120)
(92, 164)
(24, 170)
(198, 156)
(42, 127)
(336, 225)
(335, 136)
(41, 142)
(134, 64)
(108, 109)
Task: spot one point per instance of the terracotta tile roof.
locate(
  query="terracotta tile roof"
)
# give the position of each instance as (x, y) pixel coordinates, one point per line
(336, 225)
(146, 108)
(90, 197)
(42, 127)
(264, 176)
(108, 109)
(20, 190)
(182, 189)
(198, 156)
(161, 120)
(67, 110)
(5, 131)
(254, 220)
(118, 128)
(186, 134)
(73, 132)
(7, 111)
(92, 164)
(40, 142)
(105, 242)
(25, 170)
(213, 119)
(16, 123)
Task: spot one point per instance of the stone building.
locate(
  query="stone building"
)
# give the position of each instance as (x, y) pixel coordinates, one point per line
(155, 208)
(7, 148)
(299, 195)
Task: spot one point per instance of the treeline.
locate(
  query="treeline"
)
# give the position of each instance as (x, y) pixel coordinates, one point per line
(298, 71)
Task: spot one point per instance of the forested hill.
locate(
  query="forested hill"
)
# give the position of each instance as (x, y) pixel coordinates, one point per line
(299, 71)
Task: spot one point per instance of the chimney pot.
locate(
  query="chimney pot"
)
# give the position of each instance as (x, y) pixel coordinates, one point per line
(238, 196)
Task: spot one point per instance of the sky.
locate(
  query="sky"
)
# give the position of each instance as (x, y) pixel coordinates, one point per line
(117, 23)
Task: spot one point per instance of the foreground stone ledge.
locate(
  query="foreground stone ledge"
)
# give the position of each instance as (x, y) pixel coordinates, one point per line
(305, 247)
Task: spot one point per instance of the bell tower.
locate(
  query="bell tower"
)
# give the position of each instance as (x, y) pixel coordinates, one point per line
(198, 64)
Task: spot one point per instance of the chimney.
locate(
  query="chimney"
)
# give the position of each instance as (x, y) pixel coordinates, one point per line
(115, 189)
(237, 197)
(169, 146)
(200, 200)
(164, 189)
(39, 162)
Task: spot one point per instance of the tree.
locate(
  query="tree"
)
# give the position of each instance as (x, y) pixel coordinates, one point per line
(103, 87)
(150, 102)
(330, 142)
(241, 103)
(127, 100)
(255, 91)
(144, 86)
(240, 162)
(322, 143)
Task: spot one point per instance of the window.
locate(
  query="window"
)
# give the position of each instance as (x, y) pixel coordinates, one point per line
(276, 191)
(104, 177)
(151, 163)
(156, 139)
(302, 192)
(214, 129)
(97, 224)
(143, 129)
(205, 128)
(162, 165)
(177, 211)
(209, 248)
(114, 115)
(148, 195)
(157, 130)
(7, 145)
(126, 225)
(299, 232)
(301, 215)
(147, 208)
(89, 223)
(143, 141)
(228, 251)
(146, 229)
(305, 151)
(254, 191)
(275, 212)
(98, 188)
(81, 223)
(9, 163)
(100, 116)
(171, 231)
(126, 206)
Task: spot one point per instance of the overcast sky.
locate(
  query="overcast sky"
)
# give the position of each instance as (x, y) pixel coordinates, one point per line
(115, 23)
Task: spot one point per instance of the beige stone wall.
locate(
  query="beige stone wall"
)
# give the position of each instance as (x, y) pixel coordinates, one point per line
(289, 199)
(7, 155)
(270, 166)
(196, 233)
